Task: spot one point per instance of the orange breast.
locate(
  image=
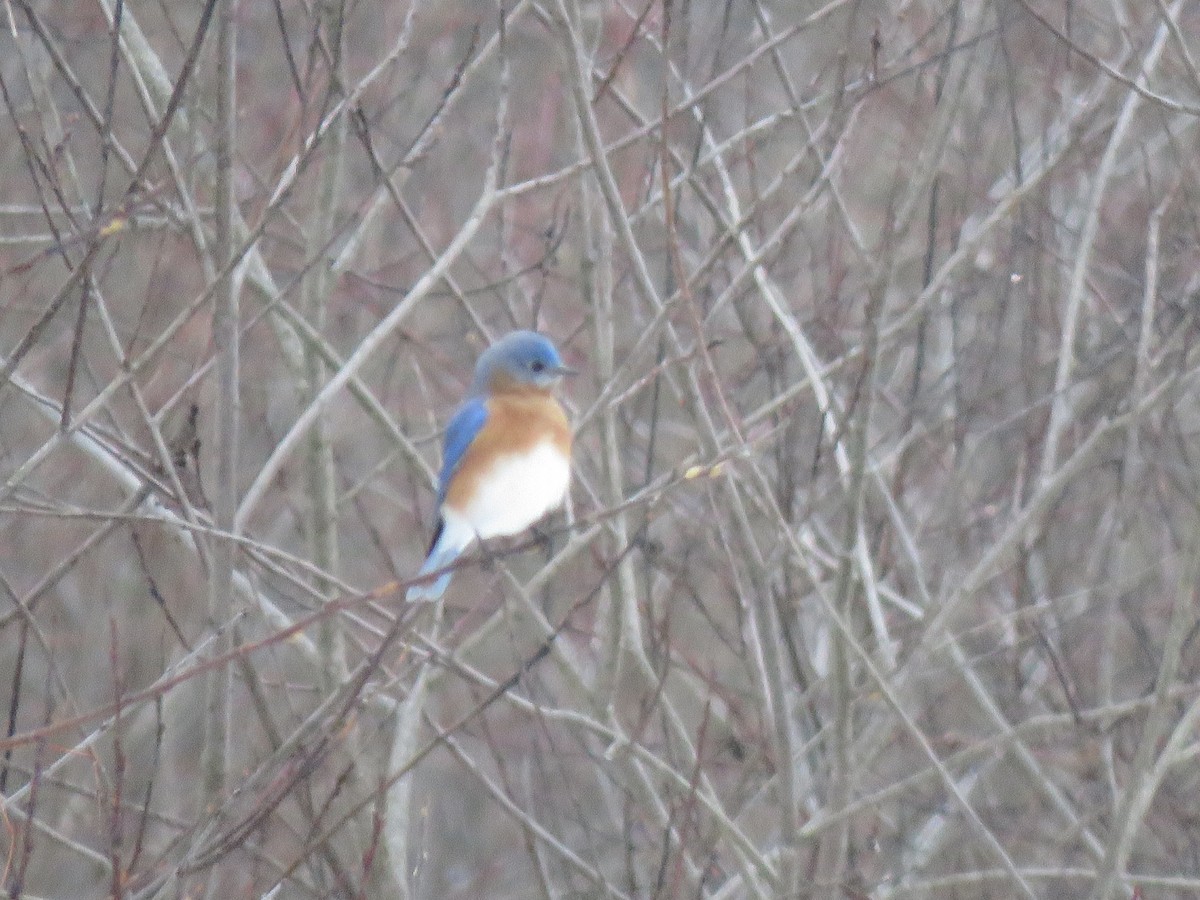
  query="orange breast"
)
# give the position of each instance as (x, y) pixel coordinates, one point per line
(517, 422)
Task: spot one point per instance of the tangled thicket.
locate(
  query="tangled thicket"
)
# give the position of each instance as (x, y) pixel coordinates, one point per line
(879, 577)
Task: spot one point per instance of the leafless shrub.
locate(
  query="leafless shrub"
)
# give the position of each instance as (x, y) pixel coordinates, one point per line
(880, 574)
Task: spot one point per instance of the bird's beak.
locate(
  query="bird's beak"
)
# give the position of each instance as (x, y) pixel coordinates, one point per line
(565, 371)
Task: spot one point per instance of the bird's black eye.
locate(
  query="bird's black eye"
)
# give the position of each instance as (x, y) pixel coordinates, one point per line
(537, 365)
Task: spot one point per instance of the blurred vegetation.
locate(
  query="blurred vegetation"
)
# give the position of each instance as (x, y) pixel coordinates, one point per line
(879, 574)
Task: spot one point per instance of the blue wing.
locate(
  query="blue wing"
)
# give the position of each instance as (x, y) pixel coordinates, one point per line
(450, 540)
(462, 429)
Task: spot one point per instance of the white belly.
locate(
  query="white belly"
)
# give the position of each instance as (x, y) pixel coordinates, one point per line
(518, 491)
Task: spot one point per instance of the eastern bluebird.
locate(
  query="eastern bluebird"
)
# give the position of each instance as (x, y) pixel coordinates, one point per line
(507, 455)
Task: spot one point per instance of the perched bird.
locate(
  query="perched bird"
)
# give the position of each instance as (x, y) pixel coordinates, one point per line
(507, 455)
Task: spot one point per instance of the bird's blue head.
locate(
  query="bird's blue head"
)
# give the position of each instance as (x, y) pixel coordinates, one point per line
(520, 359)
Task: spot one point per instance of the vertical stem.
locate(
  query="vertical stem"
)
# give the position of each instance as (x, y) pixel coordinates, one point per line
(596, 278)
(318, 465)
(225, 337)
(834, 849)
